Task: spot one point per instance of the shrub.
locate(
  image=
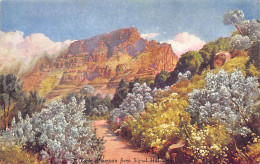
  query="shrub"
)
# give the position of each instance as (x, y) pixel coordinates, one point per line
(184, 76)
(228, 98)
(210, 143)
(159, 81)
(14, 154)
(240, 42)
(161, 125)
(133, 103)
(60, 133)
(121, 93)
(96, 106)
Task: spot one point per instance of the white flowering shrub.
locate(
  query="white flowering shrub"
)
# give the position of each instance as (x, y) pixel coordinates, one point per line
(59, 132)
(210, 143)
(184, 76)
(251, 28)
(229, 98)
(240, 42)
(133, 103)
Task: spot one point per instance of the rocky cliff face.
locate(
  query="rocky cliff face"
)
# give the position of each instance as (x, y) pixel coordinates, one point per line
(103, 46)
(89, 74)
(103, 57)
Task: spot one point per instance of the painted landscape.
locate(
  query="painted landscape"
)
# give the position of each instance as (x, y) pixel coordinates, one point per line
(133, 81)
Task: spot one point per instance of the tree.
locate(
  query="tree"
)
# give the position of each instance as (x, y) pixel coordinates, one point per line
(248, 37)
(235, 18)
(159, 81)
(121, 93)
(34, 103)
(10, 91)
(228, 98)
(190, 61)
(249, 30)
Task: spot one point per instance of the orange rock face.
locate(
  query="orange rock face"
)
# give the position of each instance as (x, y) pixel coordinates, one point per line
(221, 58)
(99, 57)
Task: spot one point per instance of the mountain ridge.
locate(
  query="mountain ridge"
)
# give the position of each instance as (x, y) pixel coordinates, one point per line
(101, 61)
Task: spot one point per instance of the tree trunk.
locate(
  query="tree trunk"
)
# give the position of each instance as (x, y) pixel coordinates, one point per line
(6, 123)
(7, 114)
(4, 119)
(238, 29)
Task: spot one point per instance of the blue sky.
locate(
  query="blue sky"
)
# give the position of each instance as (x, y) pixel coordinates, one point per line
(79, 19)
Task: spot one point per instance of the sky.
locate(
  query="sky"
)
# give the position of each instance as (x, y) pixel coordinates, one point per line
(79, 19)
(186, 24)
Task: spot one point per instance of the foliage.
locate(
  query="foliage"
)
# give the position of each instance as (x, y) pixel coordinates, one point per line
(248, 29)
(60, 133)
(251, 28)
(233, 17)
(133, 103)
(160, 79)
(210, 143)
(210, 49)
(100, 111)
(254, 152)
(10, 91)
(240, 42)
(227, 98)
(254, 55)
(248, 37)
(196, 62)
(190, 61)
(96, 106)
(165, 127)
(200, 119)
(148, 81)
(185, 76)
(238, 63)
(160, 125)
(163, 123)
(14, 154)
(121, 93)
(32, 103)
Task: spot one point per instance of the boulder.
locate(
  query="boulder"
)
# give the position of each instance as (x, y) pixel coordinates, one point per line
(221, 58)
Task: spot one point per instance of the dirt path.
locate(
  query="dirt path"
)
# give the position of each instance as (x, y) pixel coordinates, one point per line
(117, 151)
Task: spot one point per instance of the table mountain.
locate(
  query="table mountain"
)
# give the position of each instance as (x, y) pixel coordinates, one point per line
(101, 61)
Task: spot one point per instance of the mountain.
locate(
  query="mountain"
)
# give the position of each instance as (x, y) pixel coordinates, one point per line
(101, 61)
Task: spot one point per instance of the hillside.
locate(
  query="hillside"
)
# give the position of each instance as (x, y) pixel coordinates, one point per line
(101, 61)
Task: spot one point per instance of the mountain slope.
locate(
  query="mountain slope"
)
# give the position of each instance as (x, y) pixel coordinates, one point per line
(101, 61)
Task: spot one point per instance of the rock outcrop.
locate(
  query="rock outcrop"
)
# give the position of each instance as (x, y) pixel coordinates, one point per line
(84, 76)
(221, 58)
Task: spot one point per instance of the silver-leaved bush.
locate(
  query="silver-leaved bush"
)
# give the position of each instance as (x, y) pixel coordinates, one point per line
(134, 102)
(229, 98)
(60, 132)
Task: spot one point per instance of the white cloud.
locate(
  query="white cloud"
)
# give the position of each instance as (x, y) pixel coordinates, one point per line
(14, 47)
(149, 36)
(184, 42)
